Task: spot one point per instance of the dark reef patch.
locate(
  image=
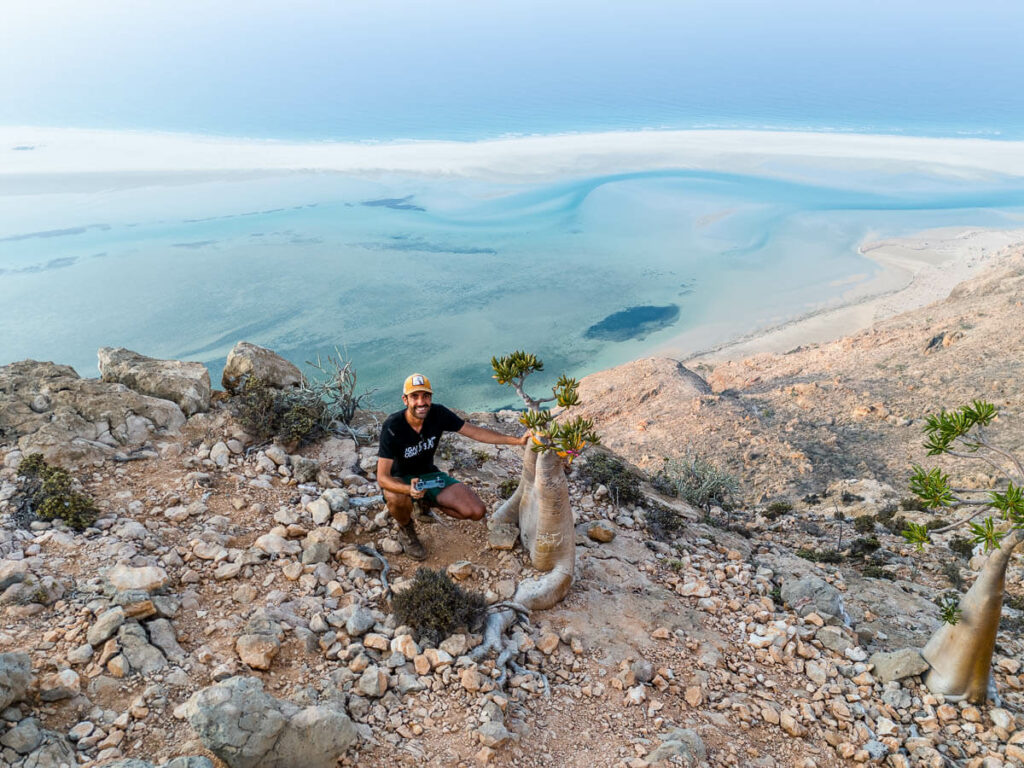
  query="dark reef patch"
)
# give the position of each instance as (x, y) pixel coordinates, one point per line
(194, 244)
(418, 244)
(395, 203)
(633, 323)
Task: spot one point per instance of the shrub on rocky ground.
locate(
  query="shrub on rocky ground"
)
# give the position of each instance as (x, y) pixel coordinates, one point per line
(50, 494)
(876, 572)
(663, 523)
(951, 571)
(777, 509)
(698, 481)
(623, 483)
(820, 555)
(864, 524)
(302, 414)
(507, 487)
(864, 546)
(913, 504)
(435, 606)
(962, 546)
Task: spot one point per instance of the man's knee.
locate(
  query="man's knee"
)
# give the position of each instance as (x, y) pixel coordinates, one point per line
(397, 502)
(477, 510)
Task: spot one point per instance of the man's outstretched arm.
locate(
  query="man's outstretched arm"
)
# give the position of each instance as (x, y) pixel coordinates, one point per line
(489, 436)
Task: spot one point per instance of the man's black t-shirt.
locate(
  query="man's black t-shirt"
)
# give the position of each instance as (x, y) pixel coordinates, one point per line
(411, 451)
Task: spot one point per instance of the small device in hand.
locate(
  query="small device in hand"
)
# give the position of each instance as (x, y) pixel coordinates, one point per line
(426, 485)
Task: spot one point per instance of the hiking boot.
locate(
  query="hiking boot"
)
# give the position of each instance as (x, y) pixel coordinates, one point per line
(411, 542)
(424, 513)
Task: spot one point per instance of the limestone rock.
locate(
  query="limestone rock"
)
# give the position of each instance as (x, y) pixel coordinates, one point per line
(247, 728)
(15, 677)
(105, 626)
(84, 420)
(493, 734)
(162, 636)
(896, 665)
(45, 749)
(812, 594)
(260, 642)
(149, 578)
(60, 685)
(601, 531)
(683, 743)
(187, 384)
(137, 651)
(247, 359)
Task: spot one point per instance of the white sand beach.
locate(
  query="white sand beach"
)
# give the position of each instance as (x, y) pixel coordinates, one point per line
(916, 271)
(55, 152)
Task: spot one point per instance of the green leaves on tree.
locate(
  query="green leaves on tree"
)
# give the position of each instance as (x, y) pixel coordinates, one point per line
(916, 534)
(1010, 503)
(949, 609)
(567, 438)
(985, 533)
(566, 392)
(515, 367)
(932, 487)
(946, 427)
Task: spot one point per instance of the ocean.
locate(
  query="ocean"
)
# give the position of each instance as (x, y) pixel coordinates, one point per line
(437, 272)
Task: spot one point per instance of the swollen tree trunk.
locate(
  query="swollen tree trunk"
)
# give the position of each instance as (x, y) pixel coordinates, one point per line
(960, 654)
(540, 510)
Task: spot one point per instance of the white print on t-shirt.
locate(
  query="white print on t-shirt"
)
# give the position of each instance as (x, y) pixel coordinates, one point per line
(422, 445)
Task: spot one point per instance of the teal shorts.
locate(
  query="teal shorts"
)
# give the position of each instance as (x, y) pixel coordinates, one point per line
(432, 493)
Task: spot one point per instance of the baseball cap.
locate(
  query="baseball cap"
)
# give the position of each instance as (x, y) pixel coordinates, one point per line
(416, 383)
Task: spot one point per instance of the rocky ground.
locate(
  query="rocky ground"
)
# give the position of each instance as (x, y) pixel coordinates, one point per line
(223, 577)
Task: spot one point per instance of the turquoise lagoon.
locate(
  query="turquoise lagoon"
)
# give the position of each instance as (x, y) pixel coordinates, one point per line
(409, 273)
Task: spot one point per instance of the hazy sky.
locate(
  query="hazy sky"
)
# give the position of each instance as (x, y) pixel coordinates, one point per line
(379, 68)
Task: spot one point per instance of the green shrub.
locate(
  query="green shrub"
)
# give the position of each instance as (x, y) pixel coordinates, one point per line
(663, 523)
(294, 415)
(820, 556)
(886, 513)
(961, 546)
(507, 487)
(876, 572)
(698, 481)
(952, 572)
(895, 525)
(864, 524)
(435, 607)
(777, 509)
(862, 547)
(299, 415)
(51, 494)
(913, 504)
(622, 482)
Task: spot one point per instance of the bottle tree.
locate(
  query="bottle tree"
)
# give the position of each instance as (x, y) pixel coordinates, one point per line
(960, 651)
(539, 511)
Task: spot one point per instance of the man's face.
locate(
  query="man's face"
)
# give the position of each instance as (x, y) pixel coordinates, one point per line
(418, 403)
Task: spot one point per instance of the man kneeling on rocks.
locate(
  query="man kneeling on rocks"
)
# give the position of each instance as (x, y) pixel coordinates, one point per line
(405, 460)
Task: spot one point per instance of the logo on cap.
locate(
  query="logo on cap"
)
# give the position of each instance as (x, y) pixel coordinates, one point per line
(416, 383)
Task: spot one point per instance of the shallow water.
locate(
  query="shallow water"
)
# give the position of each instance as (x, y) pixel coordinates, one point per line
(438, 275)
